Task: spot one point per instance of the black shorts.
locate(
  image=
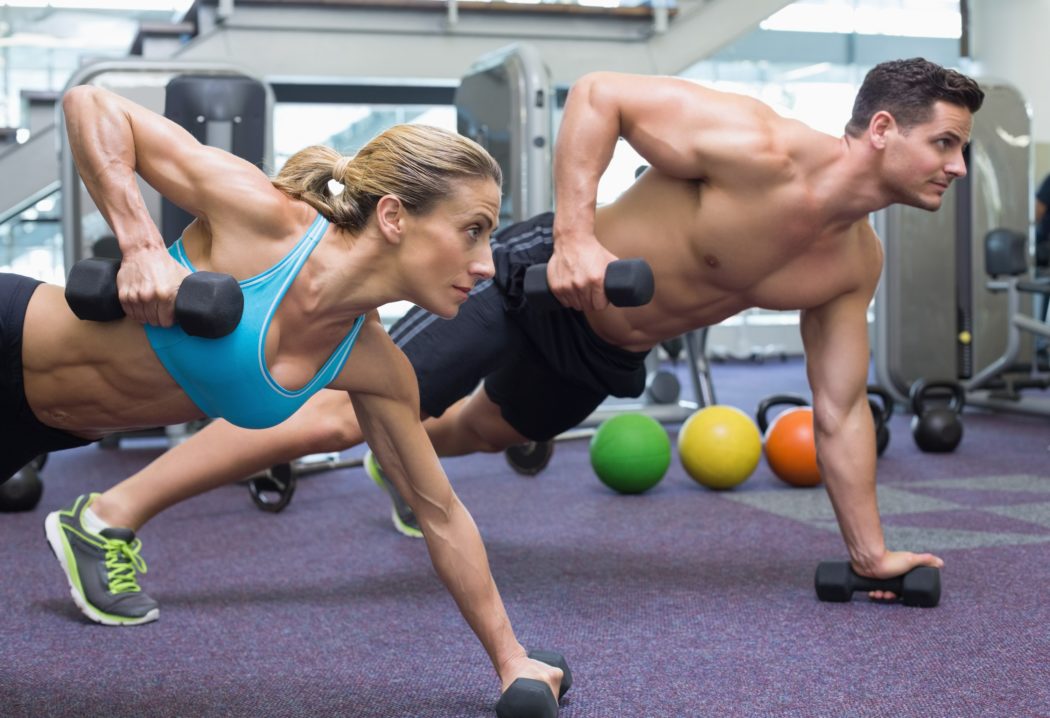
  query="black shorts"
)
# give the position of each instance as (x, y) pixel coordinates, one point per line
(547, 371)
(23, 437)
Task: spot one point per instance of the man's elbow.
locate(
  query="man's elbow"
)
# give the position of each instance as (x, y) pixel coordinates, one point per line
(77, 100)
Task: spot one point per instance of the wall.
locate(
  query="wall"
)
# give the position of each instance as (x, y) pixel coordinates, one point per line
(1009, 40)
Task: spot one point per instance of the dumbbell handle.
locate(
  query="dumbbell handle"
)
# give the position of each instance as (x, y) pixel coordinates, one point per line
(628, 283)
(866, 583)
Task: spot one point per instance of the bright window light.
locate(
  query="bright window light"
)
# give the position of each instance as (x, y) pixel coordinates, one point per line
(904, 18)
(139, 5)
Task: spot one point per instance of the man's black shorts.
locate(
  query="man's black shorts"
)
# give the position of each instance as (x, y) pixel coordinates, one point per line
(22, 436)
(547, 371)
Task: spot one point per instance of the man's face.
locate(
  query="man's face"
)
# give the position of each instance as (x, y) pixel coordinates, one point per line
(922, 160)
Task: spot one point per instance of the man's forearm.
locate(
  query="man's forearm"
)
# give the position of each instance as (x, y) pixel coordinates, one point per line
(847, 464)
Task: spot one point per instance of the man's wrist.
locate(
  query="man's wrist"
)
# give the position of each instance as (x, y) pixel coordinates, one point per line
(867, 558)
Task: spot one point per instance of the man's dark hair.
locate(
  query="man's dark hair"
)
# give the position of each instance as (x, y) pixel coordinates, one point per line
(907, 89)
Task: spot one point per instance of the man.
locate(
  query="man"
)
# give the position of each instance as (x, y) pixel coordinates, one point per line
(740, 208)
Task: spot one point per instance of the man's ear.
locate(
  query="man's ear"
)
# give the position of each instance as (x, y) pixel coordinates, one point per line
(881, 125)
(390, 216)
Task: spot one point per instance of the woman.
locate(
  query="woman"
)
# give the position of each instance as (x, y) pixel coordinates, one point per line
(315, 251)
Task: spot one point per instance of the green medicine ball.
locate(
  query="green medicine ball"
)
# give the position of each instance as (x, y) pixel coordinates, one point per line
(630, 453)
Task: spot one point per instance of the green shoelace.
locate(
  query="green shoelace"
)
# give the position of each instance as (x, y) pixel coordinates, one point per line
(122, 563)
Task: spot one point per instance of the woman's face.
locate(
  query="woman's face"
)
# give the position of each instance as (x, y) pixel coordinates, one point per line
(448, 248)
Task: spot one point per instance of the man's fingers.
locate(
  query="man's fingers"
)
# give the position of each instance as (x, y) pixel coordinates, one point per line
(928, 559)
(598, 300)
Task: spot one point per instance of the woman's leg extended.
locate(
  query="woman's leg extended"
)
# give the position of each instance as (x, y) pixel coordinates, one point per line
(222, 453)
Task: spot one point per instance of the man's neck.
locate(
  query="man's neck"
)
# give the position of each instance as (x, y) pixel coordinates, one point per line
(848, 186)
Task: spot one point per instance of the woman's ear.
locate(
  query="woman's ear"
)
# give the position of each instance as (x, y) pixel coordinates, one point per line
(390, 216)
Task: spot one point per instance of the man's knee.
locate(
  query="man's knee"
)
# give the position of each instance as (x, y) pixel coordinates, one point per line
(330, 424)
(491, 432)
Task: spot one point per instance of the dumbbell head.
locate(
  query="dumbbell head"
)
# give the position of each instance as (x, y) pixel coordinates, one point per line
(91, 290)
(921, 587)
(558, 661)
(629, 283)
(527, 698)
(209, 305)
(833, 581)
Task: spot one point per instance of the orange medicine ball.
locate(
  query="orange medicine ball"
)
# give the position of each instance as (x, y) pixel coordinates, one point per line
(791, 449)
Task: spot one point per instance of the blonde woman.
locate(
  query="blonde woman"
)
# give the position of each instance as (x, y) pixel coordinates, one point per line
(315, 252)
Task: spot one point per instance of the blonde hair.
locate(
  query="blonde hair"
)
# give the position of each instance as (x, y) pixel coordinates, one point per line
(416, 163)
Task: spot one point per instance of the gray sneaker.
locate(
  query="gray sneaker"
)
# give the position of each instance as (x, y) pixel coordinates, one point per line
(101, 568)
(404, 520)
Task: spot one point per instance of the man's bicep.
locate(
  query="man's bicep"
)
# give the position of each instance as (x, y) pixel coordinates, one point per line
(835, 337)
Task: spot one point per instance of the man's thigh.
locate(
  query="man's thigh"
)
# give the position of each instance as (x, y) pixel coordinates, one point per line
(537, 401)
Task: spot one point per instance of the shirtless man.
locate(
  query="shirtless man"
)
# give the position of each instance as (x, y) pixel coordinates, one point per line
(741, 208)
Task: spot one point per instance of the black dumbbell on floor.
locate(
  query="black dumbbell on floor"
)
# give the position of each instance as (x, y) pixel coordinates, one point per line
(529, 698)
(628, 283)
(530, 458)
(836, 581)
(207, 305)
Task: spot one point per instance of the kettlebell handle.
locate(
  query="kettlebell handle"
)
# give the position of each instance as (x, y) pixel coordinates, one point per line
(924, 392)
(761, 414)
(883, 409)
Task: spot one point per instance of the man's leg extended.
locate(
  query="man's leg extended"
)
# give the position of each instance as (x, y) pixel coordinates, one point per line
(473, 424)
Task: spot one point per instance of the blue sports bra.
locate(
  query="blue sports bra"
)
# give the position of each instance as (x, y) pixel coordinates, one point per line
(228, 377)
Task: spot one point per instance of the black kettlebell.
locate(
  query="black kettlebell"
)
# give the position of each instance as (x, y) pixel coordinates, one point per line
(936, 426)
(22, 491)
(881, 403)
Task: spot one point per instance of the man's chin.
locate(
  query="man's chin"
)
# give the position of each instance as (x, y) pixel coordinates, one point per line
(926, 203)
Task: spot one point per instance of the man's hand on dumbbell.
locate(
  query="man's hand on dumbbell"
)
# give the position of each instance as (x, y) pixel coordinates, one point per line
(147, 284)
(892, 564)
(919, 585)
(576, 272)
(529, 685)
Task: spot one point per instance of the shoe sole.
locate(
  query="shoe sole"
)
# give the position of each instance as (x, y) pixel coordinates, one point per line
(404, 529)
(400, 526)
(53, 532)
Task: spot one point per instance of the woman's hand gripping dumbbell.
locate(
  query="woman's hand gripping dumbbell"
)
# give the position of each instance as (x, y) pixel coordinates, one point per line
(207, 305)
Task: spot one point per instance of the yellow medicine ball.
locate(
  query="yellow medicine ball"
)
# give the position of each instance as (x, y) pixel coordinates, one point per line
(719, 446)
